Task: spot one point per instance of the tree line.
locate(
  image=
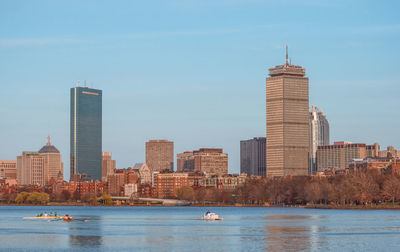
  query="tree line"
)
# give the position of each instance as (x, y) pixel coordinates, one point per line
(361, 188)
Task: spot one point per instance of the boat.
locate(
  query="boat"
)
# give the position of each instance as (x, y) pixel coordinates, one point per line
(67, 218)
(43, 217)
(211, 216)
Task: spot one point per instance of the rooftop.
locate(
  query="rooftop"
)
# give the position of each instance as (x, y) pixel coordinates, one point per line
(48, 148)
(287, 69)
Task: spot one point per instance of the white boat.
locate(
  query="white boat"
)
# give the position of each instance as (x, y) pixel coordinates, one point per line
(211, 216)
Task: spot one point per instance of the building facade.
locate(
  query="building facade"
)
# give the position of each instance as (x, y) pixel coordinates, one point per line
(116, 183)
(30, 169)
(319, 135)
(86, 133)
(287, 144)
(144, 172)
(390, 152)
(378, 164)
(160, 155)
(206, 160)
(8, 169)
(108, 165)
(340, 154)
(39, 168)
(166, 184)
(252, 156)
(185, 161)
(53, 165)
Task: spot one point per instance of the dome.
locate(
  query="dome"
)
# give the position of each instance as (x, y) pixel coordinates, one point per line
(48, 148)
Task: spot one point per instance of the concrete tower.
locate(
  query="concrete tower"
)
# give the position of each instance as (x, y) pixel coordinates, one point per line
(287, 120)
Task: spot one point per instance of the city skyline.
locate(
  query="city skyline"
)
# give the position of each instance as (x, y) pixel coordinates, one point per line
(199, 73)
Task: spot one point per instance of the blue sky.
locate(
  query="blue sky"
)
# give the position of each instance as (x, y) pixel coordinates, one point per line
(193, 71)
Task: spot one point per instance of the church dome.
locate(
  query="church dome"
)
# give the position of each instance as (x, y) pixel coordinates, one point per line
(48, 148)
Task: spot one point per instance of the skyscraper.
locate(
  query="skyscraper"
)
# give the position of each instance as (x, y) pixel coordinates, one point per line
(160, 155)
(252, 156)
(319, 135)
(86, 133)
(287, 120)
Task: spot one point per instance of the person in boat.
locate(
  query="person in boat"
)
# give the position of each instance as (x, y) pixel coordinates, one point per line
(55, 214)
(45, 214)
(51, 214)
(67, 217)
(41, 214)
(208, 212)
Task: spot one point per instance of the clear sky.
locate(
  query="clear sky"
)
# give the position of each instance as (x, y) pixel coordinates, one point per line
(193, 71)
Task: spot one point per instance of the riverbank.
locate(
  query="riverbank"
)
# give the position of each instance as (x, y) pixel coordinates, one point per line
(317, 206)
(357, 207)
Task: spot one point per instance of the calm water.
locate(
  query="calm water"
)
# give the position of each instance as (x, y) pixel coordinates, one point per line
(176, 228)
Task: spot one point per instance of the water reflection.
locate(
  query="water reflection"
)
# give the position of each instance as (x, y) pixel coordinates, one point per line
(86, 233)
(292, 233)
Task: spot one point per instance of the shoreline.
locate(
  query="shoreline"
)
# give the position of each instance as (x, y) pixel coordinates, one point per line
(328, 207)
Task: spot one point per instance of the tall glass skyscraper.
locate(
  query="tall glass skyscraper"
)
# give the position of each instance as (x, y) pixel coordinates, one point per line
(319, 135)
(85, 133)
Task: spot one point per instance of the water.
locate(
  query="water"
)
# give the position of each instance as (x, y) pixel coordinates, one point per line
(176, 229)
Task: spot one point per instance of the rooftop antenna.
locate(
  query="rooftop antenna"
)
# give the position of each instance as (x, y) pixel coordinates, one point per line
(287, 55)
(48, 140)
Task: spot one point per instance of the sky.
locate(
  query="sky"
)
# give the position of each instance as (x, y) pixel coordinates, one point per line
(193, 72)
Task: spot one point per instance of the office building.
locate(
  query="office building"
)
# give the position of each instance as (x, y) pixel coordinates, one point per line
(340, 154)
(86, 133)
(252, 156)
(53, 165)
(160, 155)
(287, 141)
(30, 169)
(38, 168)
(206, 160)
(319, 135)
(108, 165)
(8, 169)
(166, 185)
(185, 161)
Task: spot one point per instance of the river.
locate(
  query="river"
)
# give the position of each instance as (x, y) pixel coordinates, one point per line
(178, 229)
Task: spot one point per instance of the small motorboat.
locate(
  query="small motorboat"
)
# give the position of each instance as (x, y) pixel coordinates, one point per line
(211, 216)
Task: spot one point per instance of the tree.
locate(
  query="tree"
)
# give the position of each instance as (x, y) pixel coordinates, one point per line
(186, 193)
(391, 188)
(200, 194)
(66, 195)
(312, 192)
(38, 198)
(76, 195)
(21, 197)
(106, 199)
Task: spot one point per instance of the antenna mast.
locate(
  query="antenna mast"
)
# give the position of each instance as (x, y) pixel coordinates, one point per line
(287, 56)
